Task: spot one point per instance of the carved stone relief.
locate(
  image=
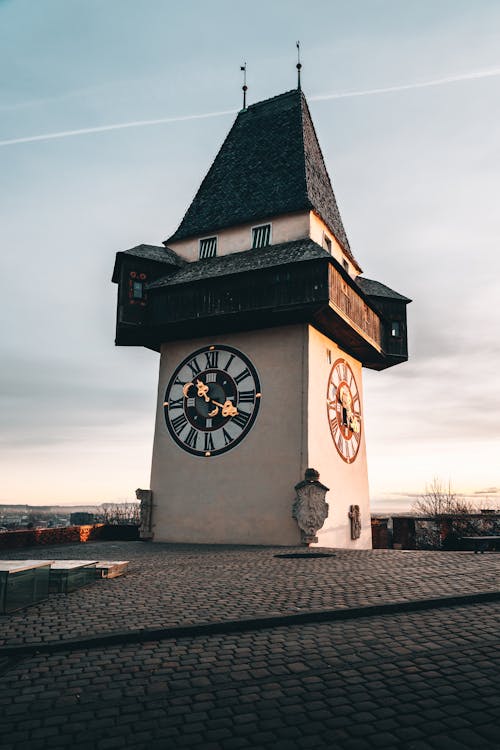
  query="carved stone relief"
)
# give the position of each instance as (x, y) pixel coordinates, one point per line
(310, 508)
(355, 516)
(146, 498)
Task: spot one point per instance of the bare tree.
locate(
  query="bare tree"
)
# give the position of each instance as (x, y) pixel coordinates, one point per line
(439, 499)
(120, 514)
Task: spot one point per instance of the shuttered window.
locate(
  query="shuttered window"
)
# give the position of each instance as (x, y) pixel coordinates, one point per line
(261, 236)
(208, 247)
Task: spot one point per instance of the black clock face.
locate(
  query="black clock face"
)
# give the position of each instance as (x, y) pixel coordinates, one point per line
(212, 400)
(343, 405)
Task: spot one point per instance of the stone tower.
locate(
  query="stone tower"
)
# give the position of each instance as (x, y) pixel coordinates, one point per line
(263, 323)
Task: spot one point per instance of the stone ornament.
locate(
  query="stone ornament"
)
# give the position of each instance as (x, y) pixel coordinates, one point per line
(310, 508)
(146, 511)
(355, 516)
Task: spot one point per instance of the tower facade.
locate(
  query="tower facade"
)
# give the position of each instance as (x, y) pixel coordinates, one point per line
(263, 323)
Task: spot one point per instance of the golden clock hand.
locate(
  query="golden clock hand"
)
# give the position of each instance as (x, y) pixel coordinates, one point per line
(185, 388)
(228, 410)
(214, 412)
(202, 390)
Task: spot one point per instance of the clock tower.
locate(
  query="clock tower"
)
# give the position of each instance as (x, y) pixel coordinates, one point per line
(263, 323)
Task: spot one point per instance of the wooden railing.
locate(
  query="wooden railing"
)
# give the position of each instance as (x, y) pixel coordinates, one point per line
(348, 302)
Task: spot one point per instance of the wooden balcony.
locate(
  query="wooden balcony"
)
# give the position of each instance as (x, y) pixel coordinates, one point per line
(349, 304)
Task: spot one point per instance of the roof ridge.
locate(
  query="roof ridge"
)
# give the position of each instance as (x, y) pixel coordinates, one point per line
(274, 98)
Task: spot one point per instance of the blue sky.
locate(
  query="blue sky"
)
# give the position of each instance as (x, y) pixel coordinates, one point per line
(415, 172)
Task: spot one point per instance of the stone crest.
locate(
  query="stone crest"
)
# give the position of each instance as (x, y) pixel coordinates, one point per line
(355, 516)
(146, 511)
(310, 508)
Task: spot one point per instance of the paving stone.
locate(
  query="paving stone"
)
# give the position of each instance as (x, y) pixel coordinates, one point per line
(398, 680)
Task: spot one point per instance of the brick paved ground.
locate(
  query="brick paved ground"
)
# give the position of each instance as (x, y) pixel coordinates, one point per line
(416, 680)
(177, 584)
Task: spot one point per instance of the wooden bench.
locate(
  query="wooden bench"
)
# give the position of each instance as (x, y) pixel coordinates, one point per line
(482, 543)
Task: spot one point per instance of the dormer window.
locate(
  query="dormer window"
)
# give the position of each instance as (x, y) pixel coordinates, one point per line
(345, 264)
(327, 243)
(261, 236)
(208, 247)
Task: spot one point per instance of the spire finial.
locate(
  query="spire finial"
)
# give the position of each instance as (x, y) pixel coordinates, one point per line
(298, 66)
(243, 68)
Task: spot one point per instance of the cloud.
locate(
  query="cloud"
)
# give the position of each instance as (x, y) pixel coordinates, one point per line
(472, 76)
(115, 126)
(461, 77)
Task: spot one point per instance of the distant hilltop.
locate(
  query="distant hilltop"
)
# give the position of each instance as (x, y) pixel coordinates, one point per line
(63, 509)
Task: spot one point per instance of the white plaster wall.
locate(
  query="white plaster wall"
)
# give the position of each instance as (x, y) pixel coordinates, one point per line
(316, 232)
(244, 496)
(235, 239)
(348, 483)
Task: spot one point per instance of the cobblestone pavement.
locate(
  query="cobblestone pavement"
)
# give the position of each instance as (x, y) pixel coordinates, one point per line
(172, 585)
(420, 681)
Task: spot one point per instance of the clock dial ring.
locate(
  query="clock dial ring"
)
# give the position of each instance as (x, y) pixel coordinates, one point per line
(343, 402)
(212, 400)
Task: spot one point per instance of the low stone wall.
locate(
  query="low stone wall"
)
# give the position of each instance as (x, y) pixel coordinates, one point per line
(66, 535)
(442, 532)
(380, 533)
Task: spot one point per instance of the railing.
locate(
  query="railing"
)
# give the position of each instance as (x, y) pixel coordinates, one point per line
(348, 302)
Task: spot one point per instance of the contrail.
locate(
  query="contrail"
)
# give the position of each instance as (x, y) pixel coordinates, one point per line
(474, 76)
(115, 126)
(407, 86)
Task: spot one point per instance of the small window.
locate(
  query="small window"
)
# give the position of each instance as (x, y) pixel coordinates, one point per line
(396, 329)
(327, 243)
(208, 247)
(138, 290)
(261, 236)
(345, 264)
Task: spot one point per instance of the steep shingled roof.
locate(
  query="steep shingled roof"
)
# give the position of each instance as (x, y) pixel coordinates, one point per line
(377, 289)
(147, 252)
(153, 252)
(270, 164)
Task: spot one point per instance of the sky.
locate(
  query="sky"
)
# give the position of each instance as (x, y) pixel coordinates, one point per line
(112, 111)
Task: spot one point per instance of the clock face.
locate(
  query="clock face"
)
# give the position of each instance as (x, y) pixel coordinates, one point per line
(344, 410)
(212, 400)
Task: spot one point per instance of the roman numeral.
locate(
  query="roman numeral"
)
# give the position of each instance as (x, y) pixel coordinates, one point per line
(242, 375)
(227, 437)
(231, 357)
(191, 402)
(209, 442)
(192, 438)
(241, 419)
(340, 443)
(175, 403)
(178, 381)
(212, 359)
(334, 425)
(210, 377)
(179, 423)
(194, 367)
(246, 397)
